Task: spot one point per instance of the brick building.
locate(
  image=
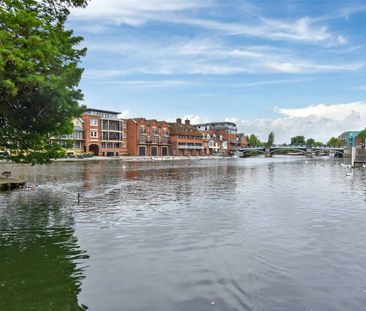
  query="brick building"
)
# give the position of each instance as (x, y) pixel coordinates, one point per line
(104, 133)
(242, 140)
(185, 139)
(225, 131)
(211, 143)
(148, 137)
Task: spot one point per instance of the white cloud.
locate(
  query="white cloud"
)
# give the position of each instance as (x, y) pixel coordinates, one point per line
(317, 121)
(171, 56)
(137, 84)
(333, 112)
(125, 114)
(137, 13)
(133, 12)
(194, 119)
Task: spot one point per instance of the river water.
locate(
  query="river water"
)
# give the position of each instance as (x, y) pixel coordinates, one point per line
(234, 234)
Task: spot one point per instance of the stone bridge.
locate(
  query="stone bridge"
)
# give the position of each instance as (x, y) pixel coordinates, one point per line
(306, 150)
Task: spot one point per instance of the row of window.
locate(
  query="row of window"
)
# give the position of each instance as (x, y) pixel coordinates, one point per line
(103, 115)
(153, 139)
(112, 145)
(155, 131)
(189, 144)
(190, 137)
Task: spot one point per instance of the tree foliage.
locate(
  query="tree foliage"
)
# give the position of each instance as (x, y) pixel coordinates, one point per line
(39, 75)
(335, 142)
(270, 140)
(310, 142)
(318, 144)
(362, 135)
(254, 141)
(298, 140)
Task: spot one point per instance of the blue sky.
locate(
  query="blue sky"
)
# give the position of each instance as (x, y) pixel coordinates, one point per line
(292, 67)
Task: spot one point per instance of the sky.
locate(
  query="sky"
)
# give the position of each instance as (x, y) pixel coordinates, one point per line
(292, 67)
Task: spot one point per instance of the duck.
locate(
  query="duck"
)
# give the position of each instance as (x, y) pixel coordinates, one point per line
(350, 173)
(6, 174)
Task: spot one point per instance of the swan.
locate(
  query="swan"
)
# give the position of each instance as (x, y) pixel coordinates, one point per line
(350, 173)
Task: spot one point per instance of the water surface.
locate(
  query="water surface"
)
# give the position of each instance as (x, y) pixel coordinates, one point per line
(238, 234)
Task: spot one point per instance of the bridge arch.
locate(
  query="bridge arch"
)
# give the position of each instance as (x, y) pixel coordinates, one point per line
(252, 150)
(288, 149)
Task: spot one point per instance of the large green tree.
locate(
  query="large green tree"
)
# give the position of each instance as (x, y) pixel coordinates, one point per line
(298, 140)
(270, 140)
(335, 142)
(39, 77)
(254, 141)
(310, 142)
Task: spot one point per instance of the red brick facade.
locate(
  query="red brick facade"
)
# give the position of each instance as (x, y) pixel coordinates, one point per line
(104, 133)
(185, 139)
(225, 132)
(148, 137)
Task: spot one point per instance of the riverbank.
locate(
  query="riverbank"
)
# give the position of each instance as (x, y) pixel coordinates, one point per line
(141, 158)
(133, 159)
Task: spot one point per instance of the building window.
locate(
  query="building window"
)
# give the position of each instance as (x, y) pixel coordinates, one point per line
(93, 122)
(93, 134)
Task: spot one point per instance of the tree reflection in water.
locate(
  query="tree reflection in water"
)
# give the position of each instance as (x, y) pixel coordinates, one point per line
(41, 262)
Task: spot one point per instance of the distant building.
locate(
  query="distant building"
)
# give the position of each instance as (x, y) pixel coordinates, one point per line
(349, 137)
(211, 143)
(185, 139)
(148, 137)
(104, 133)
(242, 141)
(227, 131)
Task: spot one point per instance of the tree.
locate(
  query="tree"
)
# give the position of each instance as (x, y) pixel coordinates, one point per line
(298, 140)
(335, 142)
(254, 141)
(318, 144)
(310, 142)
(270, 140)
(362, 136)
(39, 75)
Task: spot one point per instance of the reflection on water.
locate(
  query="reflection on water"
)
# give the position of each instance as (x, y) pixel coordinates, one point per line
(41, 264)
(243, 234)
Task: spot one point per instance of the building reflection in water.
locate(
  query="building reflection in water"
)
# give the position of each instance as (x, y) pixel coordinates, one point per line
(41, 262)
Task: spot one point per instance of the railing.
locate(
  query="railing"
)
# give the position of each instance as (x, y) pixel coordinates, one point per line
(190, 147)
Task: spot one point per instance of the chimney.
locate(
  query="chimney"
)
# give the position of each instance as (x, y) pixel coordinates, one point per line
(187, 122)
(179, 121)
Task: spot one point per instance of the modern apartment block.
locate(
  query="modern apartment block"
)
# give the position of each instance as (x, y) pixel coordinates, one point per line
(148, 137)
(104, 133)
(224, 131)
(185, 139)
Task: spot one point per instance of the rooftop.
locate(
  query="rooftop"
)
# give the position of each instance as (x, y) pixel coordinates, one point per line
(102, 111)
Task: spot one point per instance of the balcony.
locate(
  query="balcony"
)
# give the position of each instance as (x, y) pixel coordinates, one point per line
(190, 147)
